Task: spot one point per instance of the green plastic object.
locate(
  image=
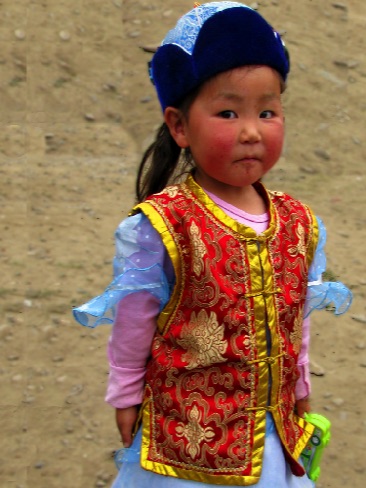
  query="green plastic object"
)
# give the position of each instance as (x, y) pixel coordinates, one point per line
(313, 452)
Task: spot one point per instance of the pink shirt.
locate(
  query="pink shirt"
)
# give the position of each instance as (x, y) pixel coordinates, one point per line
(129, 347)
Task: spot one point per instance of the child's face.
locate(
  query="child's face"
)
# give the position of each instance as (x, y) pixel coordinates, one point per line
(235, 127)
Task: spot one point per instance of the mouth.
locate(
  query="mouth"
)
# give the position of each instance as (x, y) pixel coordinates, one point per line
(248, 159)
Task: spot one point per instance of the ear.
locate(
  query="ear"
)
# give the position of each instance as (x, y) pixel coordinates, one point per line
(175, 121)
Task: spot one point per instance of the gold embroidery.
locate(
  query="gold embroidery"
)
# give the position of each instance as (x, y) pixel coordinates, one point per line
(296, 334)
(202, 337)
(171, 191)
(198, 248)
(194, 432)
(300, 248)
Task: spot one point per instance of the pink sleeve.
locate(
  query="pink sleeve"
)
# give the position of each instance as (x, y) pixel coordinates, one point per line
(129, 348)
(303, 387)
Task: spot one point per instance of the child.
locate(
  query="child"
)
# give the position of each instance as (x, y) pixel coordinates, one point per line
(215, 276)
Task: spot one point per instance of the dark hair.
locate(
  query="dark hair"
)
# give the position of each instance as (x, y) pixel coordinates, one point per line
(164, 161)
(158, 164)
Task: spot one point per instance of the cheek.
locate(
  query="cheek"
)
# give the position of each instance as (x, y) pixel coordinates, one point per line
(275, 142)
(221, 142)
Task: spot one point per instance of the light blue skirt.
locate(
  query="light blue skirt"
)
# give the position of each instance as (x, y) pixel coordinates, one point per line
(276, 472)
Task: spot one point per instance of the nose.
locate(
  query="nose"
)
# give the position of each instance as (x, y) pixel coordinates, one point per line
(250, 132)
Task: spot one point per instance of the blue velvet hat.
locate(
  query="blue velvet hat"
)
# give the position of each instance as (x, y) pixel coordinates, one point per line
(209, 39)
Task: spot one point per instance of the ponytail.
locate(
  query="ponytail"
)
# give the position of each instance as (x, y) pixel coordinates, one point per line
(158, 165)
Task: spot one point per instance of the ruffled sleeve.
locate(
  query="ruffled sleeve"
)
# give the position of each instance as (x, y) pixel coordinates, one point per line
(324, 294)
(139, 265)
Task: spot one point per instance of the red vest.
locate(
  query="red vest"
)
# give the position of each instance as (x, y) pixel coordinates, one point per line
(232, 327)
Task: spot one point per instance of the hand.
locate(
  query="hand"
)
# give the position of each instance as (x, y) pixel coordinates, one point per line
(126, 419)
(302, 406)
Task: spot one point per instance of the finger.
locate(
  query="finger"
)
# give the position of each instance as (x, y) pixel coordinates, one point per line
(126, 436)
(300, 412)
(125, 433)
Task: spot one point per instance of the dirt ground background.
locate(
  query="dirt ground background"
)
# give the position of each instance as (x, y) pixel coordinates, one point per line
(77, 109)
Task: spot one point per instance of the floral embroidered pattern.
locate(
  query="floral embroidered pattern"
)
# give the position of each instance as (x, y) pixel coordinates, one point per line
(171, 191)
(194, 432)
(188, 27)
(300, 248)
(198, 248)
(202, 337)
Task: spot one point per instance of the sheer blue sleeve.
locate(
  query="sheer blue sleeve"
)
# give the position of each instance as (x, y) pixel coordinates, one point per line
(324, 294)
(140, 264)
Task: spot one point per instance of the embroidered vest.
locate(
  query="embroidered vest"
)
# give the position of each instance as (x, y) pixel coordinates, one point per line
(228, 341)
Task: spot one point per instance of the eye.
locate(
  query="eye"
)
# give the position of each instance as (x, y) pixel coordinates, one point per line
(227, 114)
(267, 114)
